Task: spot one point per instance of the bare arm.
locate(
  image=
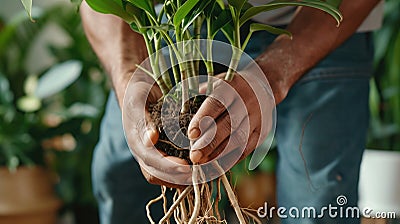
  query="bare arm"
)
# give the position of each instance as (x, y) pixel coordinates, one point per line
(117, 46)
(314, 36)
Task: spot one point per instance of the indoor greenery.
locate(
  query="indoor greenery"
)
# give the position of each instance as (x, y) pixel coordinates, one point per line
(51, 118)
(385, 91)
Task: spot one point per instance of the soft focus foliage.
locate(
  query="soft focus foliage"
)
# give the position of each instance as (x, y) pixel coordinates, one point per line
(50, 115)
(385, 91)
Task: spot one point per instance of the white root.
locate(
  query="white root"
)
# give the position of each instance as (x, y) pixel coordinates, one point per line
(217, 199)
(165, 202)
(150, 203)
(183, 210)
(187, 204)
(253, 217)
(231, 195)
(197, 200)
(183, 195)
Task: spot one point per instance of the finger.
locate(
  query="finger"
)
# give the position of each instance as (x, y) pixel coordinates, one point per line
(167, 165)
(154, 180)
(151, 134)
(176, 177)
(236, 141)
(203, 88)
(226, 124)
(213, 107)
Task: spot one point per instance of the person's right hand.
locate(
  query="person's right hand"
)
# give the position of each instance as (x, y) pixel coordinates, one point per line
(242, 113)
(157, 167)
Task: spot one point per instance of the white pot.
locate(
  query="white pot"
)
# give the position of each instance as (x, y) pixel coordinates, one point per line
(379, 186)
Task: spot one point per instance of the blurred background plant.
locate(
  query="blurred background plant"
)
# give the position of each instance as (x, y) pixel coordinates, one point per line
(52, 95)
(385, 87)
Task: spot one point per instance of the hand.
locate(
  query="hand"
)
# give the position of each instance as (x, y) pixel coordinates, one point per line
(242, 112)
(157, 167)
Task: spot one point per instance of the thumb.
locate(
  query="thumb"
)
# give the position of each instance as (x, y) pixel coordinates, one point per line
(150, 133)
(151, 136)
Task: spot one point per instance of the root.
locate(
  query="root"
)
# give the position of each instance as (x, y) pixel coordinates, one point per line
(252, 216)
(217, 199)
(197, 202)
(163, 191)
(169, 213)
(152, 202)
(231, 195)
(169, 143)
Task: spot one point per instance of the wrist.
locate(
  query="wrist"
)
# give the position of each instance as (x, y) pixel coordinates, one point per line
(282, 65)
(120, 80)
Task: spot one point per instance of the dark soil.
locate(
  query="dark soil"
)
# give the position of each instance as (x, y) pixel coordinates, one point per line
(170, 112)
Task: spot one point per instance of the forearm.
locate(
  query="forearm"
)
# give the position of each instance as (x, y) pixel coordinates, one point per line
(314, 36)
(116, 45)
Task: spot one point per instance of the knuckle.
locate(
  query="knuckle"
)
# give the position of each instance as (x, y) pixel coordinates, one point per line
(226, 125)
(211, 145)
(216, 103)
(235, 121)
(240, 137)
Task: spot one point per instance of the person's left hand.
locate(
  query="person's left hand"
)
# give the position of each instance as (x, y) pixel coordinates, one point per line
(157, 167)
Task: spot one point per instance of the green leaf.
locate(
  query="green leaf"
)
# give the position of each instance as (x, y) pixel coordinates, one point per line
(199, 9)
(228, 32)
(237, 4)
(254, 27)
(335, 3)
(253, 11)
(183, 11)
(212, 9)
(28, 7)
(134, 27)
(223, 19)
(114, 7)
(145, 5)
(58, 78)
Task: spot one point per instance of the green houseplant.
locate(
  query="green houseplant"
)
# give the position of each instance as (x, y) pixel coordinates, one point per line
(181, 32)
(50, 115)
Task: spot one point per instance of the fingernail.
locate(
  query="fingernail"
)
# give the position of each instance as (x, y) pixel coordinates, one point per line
(194, 133)
(195, 156)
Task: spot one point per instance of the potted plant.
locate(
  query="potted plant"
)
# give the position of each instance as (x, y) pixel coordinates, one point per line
(180, 95)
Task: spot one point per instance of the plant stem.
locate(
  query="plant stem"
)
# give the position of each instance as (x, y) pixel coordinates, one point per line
(209, 63)
(236, 52)
(233, 64)
(183, 68)
(185, 88)
(160, 60)
(156, 70)
(175, 71)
